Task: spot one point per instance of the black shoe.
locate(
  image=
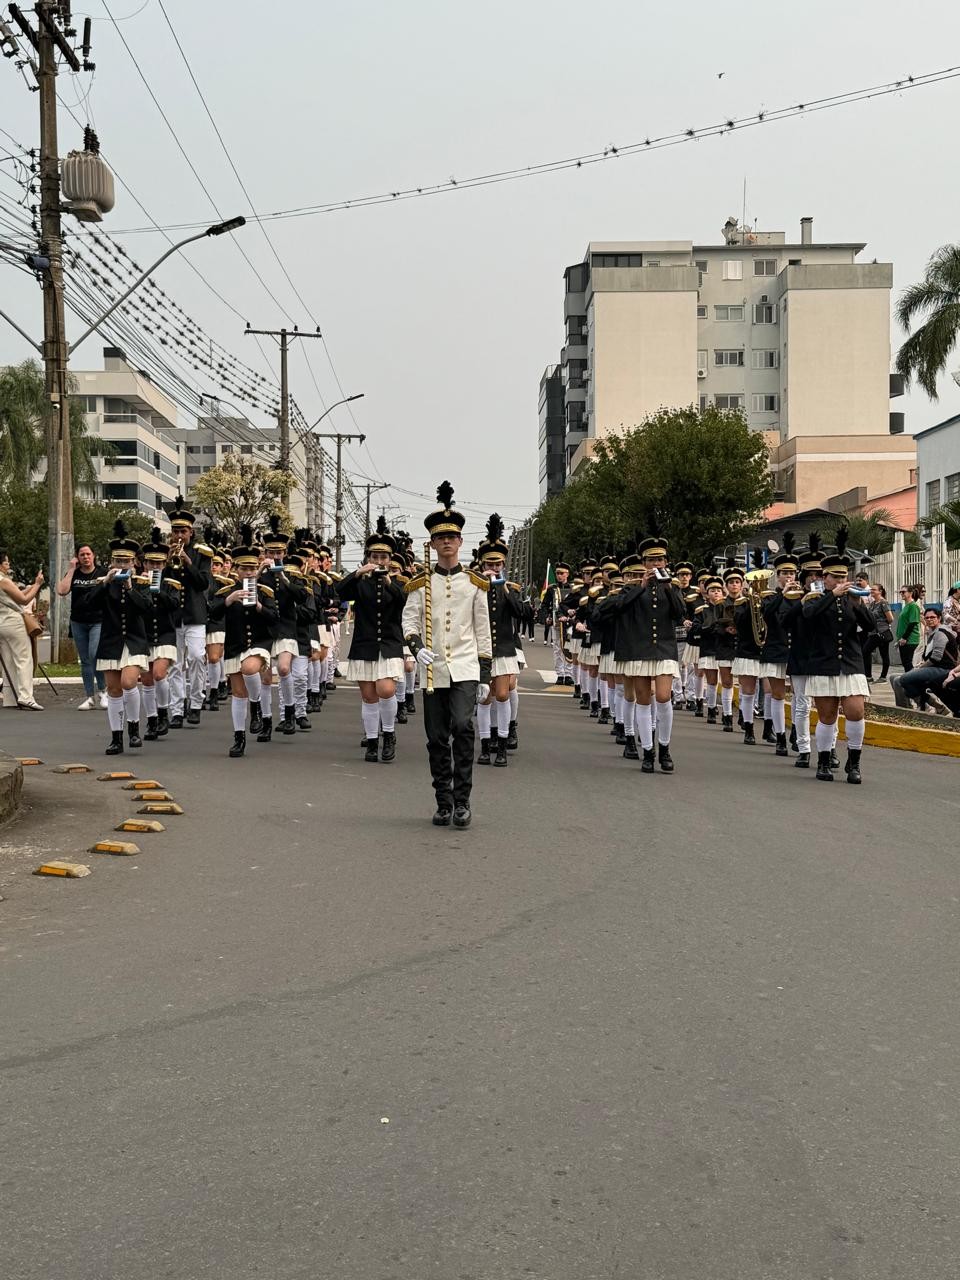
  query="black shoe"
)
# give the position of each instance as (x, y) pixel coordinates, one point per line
(620, 736)
(176, 722)
(678, 704)
(288, 724)
(223, 691)
(213, 700)
(604, 715)
(834, 759)
(442, 817)
(513, 742)
(584, 702)
(256, 717)
(739, 719)
(711, 715)
(163, 722)
(371, 755)
(852, 767)
(484, 756)
(576, 692)
(698, 708)
(401, 713)
(500, 760)
(594, 710)
(727, 724)
(749, 737)
(630, 751)
(116, 743)
(648, 758)
(793, 740)
(337, 674)
(389, 751)
(768, 734)
(239, 744)
(266, 729)
(193, 715)
(330, 686)
(802, 761)
(665, 758)
(133, 734)
(303, 724)
(781, 740)
(411, 704)
(152, 733)
(823, 767)
(462, 816)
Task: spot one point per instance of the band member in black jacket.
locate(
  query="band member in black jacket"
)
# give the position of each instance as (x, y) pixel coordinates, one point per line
(506, 610)
(162, 621)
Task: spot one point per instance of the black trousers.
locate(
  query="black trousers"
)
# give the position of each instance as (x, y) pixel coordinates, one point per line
(448, 720)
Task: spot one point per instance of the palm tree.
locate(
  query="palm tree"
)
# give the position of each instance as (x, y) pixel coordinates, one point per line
(22, 444)
(936, 297)
(875, 532)
(949, 516)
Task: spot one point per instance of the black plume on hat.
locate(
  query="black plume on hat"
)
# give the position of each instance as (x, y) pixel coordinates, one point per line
(788, 541)
(382, 528)
(156, 539)
(445, 494)
(246, 535)
(119, 529)
(494, 528)
(732, 562)
(756, 557)
(842, 534)
(178, 503)
(274, 523)
(814, 543)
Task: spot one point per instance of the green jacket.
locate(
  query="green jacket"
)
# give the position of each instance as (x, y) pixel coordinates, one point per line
(908, 623)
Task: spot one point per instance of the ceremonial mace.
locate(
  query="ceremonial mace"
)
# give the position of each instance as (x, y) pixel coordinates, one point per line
(428, 615)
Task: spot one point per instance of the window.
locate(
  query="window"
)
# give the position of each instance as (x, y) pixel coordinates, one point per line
(953, 487)
(764, 403)
(933, 495)
(158, 502)
(704, 400)
(652, 262)
(701, 265)
(193, 448)
(246, 448)
(87, 403)
(209, 448)
(728, 357)
(729, 401)
(701, 313)
(794, 262)
(123, 450)
(728, 313)
(732, 269)
(193, 471)
(156, 460)
(618, 260)
(119, 492)
(764, 266)
(765, 359)
(765, 313)
(701, 359)
(226, 448)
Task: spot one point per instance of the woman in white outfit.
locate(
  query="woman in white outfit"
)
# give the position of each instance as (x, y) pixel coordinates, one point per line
(15, 648)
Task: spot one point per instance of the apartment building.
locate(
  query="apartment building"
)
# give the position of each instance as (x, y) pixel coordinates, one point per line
(794, 334)
(124, 407)
(552, 432)
(938, 456)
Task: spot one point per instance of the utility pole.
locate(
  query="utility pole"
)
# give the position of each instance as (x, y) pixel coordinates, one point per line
(285, 337)
(338, 517)
(371, 488)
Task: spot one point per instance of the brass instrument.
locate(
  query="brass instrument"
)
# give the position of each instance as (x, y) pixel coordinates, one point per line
(428, 614)
(757, 581)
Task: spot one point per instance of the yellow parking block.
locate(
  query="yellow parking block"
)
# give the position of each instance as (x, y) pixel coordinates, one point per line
(73, 870)
(139, 824)
(115, 777)
(161, 808)
(25, 760)
(115, 846)
(151, 795)
(146, 784)
(71, 768)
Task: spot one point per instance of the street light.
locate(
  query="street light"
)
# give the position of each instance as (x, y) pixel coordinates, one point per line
(345, 400)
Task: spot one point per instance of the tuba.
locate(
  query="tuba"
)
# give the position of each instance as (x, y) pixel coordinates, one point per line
(757, 582)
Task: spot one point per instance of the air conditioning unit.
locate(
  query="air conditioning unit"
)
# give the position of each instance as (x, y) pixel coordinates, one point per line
(764, 298)
(701, 373)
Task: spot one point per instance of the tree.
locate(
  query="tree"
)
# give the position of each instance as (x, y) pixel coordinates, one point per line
(925, 353)
(241, 491)
(949, 516)
(875, 532)
(23, 526)
(22, 444)
(701, 473)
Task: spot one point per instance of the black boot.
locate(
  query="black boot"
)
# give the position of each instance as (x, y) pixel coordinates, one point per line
(665, 758)
(576, 692)
(584, 702)
(500, 760)
(768, 734)
(116, 743)
(793, 740)
(303, 724)
(834, 758)
(256, 717)
(401, 712)
(620, 736)
(728, 724)
(691, 704)
(163, 722)
(739, 718)
(802, 761)
(151, 734)
(389, 751)
(133, 734)
(223, 691)
(266, 729)
(371, 755)
(781, 740)
(484, 756)
(823, 767)
(176, 721)
(594, 710)
(698, 708)
(648, 758)
(239, 744)
(193, 715)
(852, 766)
(604, 715)
(711, 715)
(513, 742)
(288, 724)
(749, 737)
(213, 700)
(411, 704)
(630, 751)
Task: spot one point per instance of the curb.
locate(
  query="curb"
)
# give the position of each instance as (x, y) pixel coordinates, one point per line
(898, 737)
(11, 785)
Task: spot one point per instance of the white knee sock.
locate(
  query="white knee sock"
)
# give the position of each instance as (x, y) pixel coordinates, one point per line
(370, 712)
(700, 683)
(778, 715)
(388, 714)
(726, 700)
(747, 701)
(266, 698)
(855, 731)
(645, 725)
(115, 712)
(149, 696)
(711, 696)
(254, 685)
(313, 677)
(503, 718)
(836, 733)
(604, 692)
(162, 689)
(238, 709)
(664, 722)
(514, 705)
(211, 675)
(628, 713)
(286, 692)
(824, 736)
(131, 703)
(483, 721)
(410, 680)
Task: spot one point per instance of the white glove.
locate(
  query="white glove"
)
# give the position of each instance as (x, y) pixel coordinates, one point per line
(483, 692)
(426, 657)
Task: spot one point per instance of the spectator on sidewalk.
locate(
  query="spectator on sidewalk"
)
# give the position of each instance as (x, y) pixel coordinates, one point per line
(82, 573)
(951, 609)
(938, 659)
(879, 640)
(16, 652)
(908, 626)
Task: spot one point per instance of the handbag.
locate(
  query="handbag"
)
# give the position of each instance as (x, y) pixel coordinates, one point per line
(33, 625)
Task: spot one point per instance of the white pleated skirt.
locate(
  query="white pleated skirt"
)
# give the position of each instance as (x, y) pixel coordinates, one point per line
(691, 655)
(608, 664)
(285, 646)
(746, 667)
(505, 667)
(574, 645)
(707, 663)
(648, 667)
(232, 666)
(375, 669)
(773, 670)
(168, 651)
(216, 637)
(326, 639)
(837, 686)
(521, 660)
(589, 655)
(126, 659)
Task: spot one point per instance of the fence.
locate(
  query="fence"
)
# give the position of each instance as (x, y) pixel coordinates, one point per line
(936, 567)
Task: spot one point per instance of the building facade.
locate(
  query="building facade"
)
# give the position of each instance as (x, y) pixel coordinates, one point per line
(552, 433)
(794, 334)
(938, 465)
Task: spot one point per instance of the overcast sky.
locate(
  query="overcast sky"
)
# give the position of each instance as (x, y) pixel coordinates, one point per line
(444, 311)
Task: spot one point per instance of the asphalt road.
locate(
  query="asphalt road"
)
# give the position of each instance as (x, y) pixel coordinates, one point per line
(690, 1027)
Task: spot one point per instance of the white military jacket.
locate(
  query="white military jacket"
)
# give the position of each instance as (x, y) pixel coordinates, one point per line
(461, 622)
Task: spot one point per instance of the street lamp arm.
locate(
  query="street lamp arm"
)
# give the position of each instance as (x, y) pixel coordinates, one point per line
(307, 430)
(36, 345)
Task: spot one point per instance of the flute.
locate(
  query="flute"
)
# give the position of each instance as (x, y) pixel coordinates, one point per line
(428, 615)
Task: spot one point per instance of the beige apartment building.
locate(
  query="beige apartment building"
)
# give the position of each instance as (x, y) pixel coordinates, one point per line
(794, 334)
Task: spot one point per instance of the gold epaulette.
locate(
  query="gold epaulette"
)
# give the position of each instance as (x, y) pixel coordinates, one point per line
(172, 582)
(514, 586)
(584, 600)
(741, 600)
(203, 549)
(142, 579)
(691, 596)
(700, 608)
(221, 578)
(475, 578)
(267, 591)
(225, 591)
(812, 595)
(415, 583)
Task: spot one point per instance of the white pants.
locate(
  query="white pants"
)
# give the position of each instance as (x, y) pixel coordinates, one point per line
(801, 712)
(561, 666)
(17, 653)
(334, 647)
(298, 669)
(188, 678)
